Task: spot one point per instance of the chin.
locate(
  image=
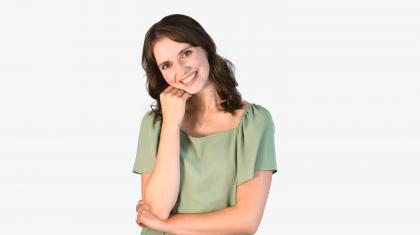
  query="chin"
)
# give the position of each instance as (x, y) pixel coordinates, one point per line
(195, 90)
(192, 92)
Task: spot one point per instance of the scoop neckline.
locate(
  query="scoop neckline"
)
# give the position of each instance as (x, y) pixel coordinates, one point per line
(220, 132)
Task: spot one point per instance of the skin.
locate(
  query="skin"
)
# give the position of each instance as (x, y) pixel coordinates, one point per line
(182, 107)
(175, 68)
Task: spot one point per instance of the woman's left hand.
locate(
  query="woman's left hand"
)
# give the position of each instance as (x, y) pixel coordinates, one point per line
(146, 218)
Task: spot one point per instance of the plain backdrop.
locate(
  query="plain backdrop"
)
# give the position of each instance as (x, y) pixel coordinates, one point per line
(340, 78)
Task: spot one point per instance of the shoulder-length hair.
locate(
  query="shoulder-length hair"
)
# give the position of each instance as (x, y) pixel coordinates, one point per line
(184, 29)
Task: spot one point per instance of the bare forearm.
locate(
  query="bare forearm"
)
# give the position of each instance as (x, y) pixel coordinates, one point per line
(163, 186)
(226, 221)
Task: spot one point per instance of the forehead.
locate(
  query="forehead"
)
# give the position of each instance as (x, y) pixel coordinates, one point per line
(166, 49)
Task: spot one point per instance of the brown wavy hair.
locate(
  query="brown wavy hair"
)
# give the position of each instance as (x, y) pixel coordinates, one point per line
(184, 29)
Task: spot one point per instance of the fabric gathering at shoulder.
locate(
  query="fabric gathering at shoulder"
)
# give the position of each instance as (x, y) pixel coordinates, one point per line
(147, 145)
(255, 144)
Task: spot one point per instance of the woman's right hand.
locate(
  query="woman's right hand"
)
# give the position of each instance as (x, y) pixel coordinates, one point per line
(173, 104)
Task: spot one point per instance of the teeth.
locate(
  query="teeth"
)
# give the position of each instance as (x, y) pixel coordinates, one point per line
(187, 80)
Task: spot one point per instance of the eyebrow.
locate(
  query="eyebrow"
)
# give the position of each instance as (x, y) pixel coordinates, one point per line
(179, 53)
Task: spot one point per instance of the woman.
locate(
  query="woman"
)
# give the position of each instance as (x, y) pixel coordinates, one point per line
(205, 155)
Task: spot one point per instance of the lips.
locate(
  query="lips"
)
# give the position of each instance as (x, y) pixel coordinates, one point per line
(189, 79)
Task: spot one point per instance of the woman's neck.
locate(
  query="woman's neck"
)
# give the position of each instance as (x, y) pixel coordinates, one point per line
(207, 101)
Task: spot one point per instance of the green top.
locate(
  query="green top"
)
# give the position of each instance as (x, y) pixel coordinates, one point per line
(212, 166)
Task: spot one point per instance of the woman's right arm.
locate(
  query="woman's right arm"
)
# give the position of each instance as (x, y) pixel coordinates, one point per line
(163, 186)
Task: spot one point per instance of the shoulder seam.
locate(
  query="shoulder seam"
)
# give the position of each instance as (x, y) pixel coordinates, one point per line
(265, 110)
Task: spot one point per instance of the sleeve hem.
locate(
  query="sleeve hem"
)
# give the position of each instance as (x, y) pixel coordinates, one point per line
(141, 172)
(239, 182)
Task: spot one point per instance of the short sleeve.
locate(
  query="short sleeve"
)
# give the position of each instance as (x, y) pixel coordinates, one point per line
(147, 145)
(256, 144)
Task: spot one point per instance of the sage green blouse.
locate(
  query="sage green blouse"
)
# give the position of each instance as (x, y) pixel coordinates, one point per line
(212, 166)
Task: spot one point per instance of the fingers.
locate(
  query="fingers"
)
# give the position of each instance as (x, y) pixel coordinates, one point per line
(140, 223)
(176, 92)
(173, 90)
(138, 204)
(140, 210)
(180, 93)
(186, 95)
(168, 89)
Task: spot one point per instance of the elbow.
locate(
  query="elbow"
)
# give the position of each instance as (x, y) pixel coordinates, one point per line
(252, 228)
(161, 213)
(249, 221)
(252, 225)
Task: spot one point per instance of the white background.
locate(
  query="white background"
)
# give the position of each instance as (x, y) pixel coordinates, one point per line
(340, 78)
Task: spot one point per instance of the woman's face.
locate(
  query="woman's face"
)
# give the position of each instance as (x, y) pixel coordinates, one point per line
(182, 65)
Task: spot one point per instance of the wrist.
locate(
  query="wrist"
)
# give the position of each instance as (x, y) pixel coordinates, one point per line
(171, 125)
(168, 226)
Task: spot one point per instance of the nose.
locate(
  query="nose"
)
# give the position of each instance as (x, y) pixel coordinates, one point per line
(181, 72)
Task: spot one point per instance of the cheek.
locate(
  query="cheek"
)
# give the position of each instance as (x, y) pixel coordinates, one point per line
(203, 61)
(169, 78)
(205, 64)
(197, 62)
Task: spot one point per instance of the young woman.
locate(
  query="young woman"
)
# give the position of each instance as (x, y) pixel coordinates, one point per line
(205, 155)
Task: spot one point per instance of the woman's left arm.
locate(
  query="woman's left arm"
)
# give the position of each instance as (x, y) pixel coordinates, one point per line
(242, 218)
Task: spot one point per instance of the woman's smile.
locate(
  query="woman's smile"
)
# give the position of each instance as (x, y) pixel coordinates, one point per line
(189, 80)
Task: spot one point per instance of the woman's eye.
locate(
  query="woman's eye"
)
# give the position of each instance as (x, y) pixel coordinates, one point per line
(164, 66)
(187, 53)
